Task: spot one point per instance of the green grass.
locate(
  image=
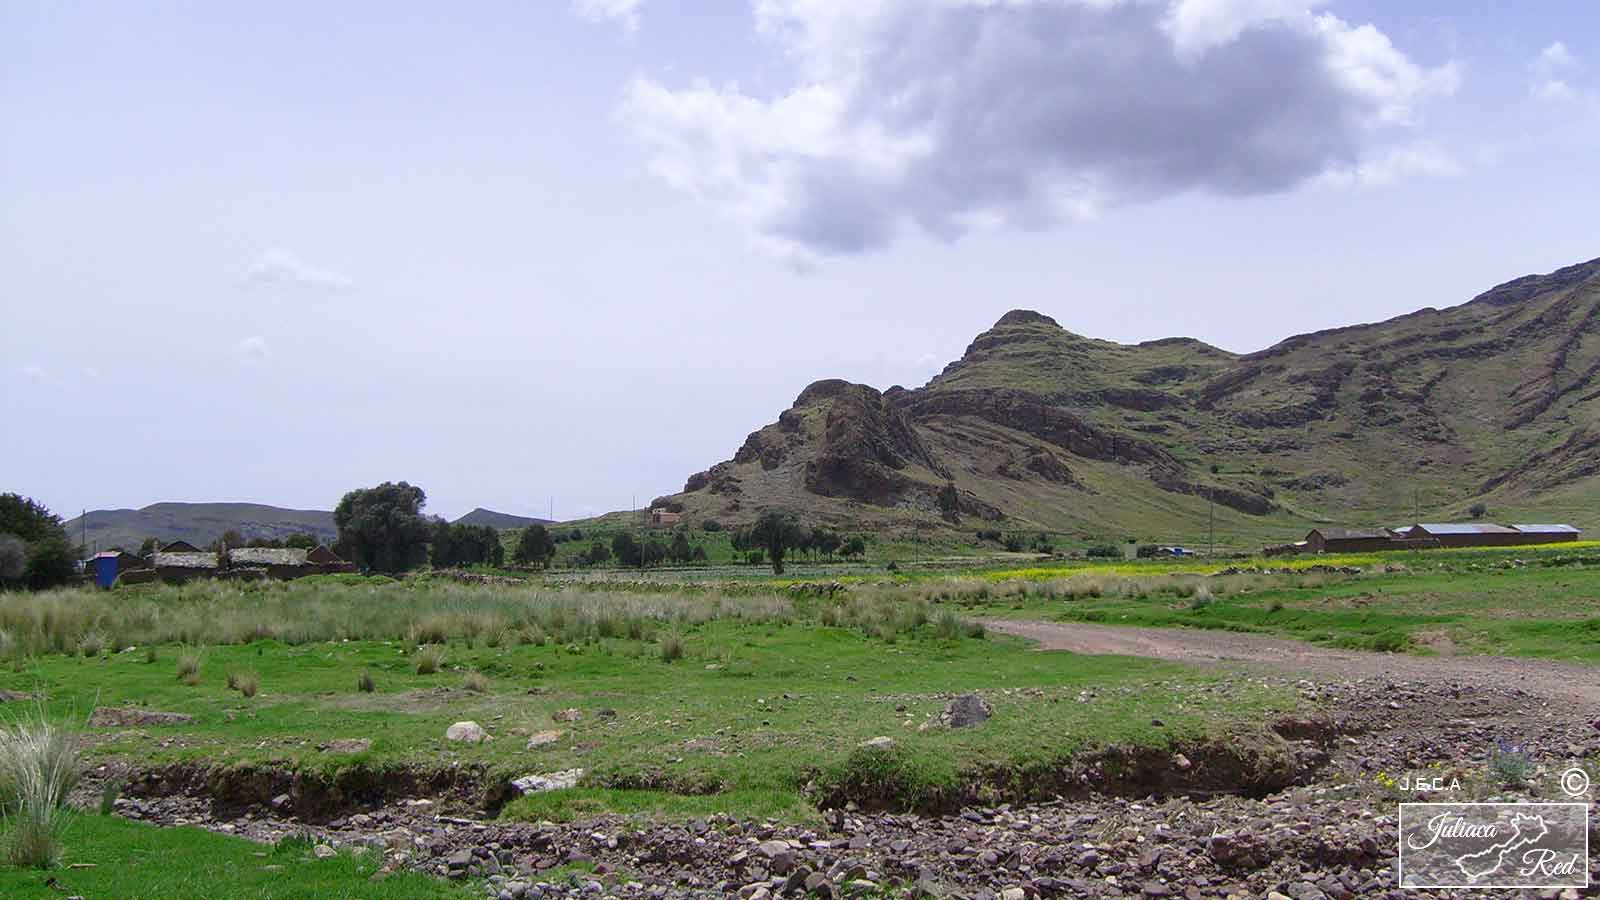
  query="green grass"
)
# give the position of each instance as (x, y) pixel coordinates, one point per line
(136, 861)
(1472, 602)
(747, 716)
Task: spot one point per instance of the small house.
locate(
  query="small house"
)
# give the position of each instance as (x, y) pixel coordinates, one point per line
(664, 518)
(1332, 539)
(180, 547)
(104, 567)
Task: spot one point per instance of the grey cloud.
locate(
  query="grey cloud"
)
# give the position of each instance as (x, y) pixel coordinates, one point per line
(981, 114)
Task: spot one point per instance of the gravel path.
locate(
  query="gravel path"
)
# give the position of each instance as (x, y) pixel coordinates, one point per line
(1554, 680)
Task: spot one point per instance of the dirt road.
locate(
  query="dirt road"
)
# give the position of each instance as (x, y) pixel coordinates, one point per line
(1563, 681)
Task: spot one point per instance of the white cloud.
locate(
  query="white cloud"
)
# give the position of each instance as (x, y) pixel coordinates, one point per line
(621, 12)
(985, 114)
(33, 373)
(254, 349)
(1553, 70)
(280, 267)
(1411, 160)
(91, 373)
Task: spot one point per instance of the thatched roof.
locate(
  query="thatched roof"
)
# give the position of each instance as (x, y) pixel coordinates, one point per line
(185, 560)
(321, 554)
(180, 547)
(266, 556)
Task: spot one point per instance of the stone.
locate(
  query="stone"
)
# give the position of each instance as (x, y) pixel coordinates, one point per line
(543, 738)
(133, 716)
(323, 851)
(347, 745)
(1013, 893)
(566, 715)
(466, 732)
(881, 742)
(547, 781)
(965, 711)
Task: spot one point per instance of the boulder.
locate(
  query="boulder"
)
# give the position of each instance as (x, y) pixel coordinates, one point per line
(466, 732)
(547, 781)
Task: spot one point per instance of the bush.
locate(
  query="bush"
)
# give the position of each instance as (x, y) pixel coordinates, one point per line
(428, 659)
(711, 525)
(246, 683)
(364, 684)
(1510, 764)
(476, 682)
(1104, 551)
(39, 766)
(671, 647)
(754, 557)
(92, 645)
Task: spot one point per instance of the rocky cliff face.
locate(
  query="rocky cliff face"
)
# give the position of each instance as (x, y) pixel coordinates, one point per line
(1499, 396)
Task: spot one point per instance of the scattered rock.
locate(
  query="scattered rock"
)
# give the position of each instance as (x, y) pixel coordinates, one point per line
(346, 745)
(466, 732)
(881, 742)
(548, 781)
(965, 711)
(542, 738)
(567, 715)
(323, 851)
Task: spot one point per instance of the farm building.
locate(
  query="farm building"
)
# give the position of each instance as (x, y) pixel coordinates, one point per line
(1466, 534)
(183, 566)
(180, 547)
(328, 561)
(1546, 534)
(1331, 539)
(104, 567)
(663, 518)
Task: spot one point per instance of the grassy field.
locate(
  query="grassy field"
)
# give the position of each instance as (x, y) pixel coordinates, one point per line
(108, 856)
(758, 701)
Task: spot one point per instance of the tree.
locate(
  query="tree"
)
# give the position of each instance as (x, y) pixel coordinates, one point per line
(711, 525)
(625, 549)
(13, 559)
(148, 546)
(827, 542)
(382, 528)
(535, 547)
(51, 562)
(699, 554)
(1478, 510)
(654, 552)
(464, 545)
(776, 532)
(28, 519)
(597, 554)
(680, 551)
(229, 538)
(301, 540)
(855, 547)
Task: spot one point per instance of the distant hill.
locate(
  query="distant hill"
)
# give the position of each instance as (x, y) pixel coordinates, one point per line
(489, 517)
(1494, 401)
(197, 523)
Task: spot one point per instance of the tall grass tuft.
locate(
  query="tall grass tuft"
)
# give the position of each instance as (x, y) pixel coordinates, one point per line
(188, 667)
(476, 682)
(39, 766)
(364, 684)
(428, 659)
(247, 683)
(671, 647)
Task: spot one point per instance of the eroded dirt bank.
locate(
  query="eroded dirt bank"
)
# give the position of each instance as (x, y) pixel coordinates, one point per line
(1331, 836)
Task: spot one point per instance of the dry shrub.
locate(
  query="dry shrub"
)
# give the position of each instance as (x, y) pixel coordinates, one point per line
(476, 682)
(39, 766)
(428, 659)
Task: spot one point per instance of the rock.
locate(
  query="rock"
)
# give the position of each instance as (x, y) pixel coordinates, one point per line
(566, 715)
(281, 802)
(347, 745)
(543, 738)
(323, 851)
(1013, 893)
(1181, 762)
(133, 716)
(467, 732)
(965, 711)
(458, 860)
(548, 781)
(881, 742)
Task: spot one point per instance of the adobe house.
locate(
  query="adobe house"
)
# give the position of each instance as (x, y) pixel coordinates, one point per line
(1466, 534)
(278, 562)
(1546, 534)
(182, 566)
(180, 547)
(663, 518)
(1332, 539)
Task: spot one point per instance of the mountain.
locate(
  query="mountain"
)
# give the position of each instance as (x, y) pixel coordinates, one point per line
(1494, 401)
(489, 517)
(197, 523)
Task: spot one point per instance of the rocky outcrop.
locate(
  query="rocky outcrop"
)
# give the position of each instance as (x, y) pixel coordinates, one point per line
(1031, 415)
(865, 444)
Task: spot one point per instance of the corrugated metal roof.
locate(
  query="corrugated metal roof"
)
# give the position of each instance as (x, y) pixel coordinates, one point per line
(1334, 534)
(1465, 528)
(1547, 529)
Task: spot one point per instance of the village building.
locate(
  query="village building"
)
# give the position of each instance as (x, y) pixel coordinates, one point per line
(184, 566)
(663, 518)
(1465, 534)
(105, 566)
(1546, 534)
(276, 562)
(180, 547)
(1333, 539)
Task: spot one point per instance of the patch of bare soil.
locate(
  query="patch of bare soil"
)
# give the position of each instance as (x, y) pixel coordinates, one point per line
(1552, 680)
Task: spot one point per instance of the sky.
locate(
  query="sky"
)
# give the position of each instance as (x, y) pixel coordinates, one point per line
(557, 256)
